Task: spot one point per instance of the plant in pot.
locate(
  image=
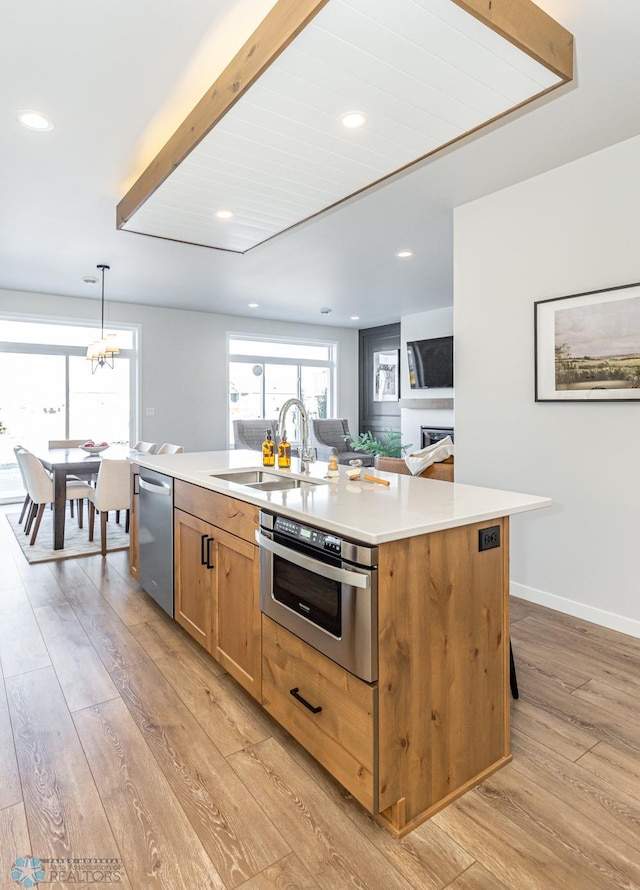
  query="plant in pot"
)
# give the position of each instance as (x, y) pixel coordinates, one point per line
(389, 446)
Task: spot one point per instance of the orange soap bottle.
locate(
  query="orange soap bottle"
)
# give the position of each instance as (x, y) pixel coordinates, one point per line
(284, 454)
(268, 451)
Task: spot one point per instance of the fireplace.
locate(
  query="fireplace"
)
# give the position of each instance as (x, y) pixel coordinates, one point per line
(432, 434)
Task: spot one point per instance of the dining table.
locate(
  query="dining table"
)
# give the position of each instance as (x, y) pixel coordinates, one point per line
(64, 462)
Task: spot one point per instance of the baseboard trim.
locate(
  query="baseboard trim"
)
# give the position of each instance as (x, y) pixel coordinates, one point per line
(577, 610)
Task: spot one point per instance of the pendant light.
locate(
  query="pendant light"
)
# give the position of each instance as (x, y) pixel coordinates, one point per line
(102, 351)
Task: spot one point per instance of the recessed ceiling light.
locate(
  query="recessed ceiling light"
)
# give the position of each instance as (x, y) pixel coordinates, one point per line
(224, 214)
(253, 305)
(90, 279)
(353, 119)
(354, 317)
(34, 120)
(403, 254)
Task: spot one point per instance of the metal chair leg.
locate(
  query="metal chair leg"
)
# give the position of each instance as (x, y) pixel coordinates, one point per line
(512, 673)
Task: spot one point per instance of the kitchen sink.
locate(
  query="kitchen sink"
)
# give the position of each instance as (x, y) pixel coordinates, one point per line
(263, 480)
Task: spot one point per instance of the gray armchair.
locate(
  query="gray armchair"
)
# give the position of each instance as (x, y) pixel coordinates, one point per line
(250, 433)
(329, 433)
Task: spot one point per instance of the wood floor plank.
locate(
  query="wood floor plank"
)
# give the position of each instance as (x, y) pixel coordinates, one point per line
(476, 877)
(10, 788)
(13, 599)
(82, 676)
(112, 640)
(483, 822)
(427, 857)
(551, 726)
(164, 637)
(156, 839)
(611, 807)
(534, 661)
(233, 830)
(591, 654)
(14, 841)
(40, 584)
(555, 820)
(229, 721)
(336, 854)
(598, 718)
(125, 596)
(64, 812)
(22, 648)
(619, 768)
(289, 873)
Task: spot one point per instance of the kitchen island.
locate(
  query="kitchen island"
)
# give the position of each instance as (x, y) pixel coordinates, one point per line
(434, 721)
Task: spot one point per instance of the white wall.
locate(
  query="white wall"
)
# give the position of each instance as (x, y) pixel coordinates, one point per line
(183, 373)
(572, 230)
(422, 326)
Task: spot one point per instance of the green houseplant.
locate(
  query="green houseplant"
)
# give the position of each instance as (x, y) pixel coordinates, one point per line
(389, 446)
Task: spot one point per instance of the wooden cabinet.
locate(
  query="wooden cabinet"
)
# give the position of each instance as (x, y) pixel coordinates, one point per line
(327, 709)
(236, 610)
(134, 524)
(194, 581)
(436, 722)
(217, 579)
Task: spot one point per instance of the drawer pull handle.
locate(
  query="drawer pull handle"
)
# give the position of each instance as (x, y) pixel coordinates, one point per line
(295, 692)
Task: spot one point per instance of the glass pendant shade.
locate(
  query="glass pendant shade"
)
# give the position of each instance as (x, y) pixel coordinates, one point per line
(102, 351)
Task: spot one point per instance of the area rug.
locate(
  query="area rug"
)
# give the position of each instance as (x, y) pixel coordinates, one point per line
(76, 540)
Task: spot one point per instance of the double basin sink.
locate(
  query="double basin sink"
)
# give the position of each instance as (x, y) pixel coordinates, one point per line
(263, 480)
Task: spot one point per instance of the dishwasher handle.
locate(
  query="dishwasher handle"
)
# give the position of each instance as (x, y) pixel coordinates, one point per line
(155, 487)
(344, 576)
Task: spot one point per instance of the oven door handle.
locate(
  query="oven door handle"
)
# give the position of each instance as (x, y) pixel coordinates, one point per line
(355, 579)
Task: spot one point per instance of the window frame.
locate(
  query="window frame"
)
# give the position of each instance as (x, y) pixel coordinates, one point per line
(331, 363)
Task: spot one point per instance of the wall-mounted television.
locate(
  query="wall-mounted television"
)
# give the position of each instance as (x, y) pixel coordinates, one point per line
(430, 362)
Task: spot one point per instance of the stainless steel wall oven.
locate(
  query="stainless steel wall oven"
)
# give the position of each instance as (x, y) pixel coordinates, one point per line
(322, 588)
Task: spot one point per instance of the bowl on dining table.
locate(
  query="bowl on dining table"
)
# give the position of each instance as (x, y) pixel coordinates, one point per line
(94, 449)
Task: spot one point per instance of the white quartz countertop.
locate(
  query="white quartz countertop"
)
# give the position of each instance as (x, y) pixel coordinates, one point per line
(363, 511)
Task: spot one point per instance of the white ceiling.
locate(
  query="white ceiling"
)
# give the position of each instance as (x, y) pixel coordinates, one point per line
(118, 78)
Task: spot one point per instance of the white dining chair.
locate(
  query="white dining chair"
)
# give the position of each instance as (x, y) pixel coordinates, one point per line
(168, 448)
(40, 489)
(66, 443)
(27, 499)
(149, 447)
(72, 443)
(111, 493)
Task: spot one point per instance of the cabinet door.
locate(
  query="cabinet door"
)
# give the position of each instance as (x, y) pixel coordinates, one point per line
(194, 542)
(236, 620)
(134, 524)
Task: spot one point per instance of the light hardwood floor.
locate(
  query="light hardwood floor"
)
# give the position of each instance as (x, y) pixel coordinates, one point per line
(120, 738)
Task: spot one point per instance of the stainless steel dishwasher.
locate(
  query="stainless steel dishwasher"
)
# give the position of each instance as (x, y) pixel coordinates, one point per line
(156, 536)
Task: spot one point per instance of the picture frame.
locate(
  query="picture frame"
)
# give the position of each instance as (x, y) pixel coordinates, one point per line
(386, 376)
(587, 346)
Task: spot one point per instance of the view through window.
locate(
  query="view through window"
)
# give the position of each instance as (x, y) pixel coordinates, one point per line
(49, 391)
(263, 374)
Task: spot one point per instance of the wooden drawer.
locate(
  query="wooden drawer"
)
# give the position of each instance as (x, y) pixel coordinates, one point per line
(230, 514)
(341, 735)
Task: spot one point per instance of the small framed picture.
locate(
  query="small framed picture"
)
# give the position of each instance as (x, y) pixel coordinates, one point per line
(386, 376)
(587, 346)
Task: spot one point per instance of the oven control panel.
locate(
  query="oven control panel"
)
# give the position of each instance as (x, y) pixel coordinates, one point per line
(310, 536)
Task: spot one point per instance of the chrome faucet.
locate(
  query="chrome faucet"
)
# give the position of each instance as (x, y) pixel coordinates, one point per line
(307, 453)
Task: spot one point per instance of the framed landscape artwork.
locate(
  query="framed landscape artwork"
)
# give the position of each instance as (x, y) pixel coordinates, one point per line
(587, 346)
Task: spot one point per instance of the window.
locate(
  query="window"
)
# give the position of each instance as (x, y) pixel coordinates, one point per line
(54, 395)
(263, 374)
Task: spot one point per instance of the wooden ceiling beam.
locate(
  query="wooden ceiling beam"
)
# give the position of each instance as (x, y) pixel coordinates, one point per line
(273, 35)
(525, 25)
